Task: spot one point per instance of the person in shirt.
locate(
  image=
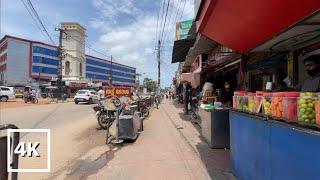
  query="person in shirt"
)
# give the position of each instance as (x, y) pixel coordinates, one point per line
(312, 67)
(227, 94)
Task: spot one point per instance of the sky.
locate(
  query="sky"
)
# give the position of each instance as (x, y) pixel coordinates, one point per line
(125, 29)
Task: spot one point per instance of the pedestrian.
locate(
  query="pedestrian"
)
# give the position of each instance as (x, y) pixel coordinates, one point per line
(312, 67)
(186, 94)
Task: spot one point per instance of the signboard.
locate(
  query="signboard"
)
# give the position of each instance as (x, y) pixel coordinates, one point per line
(78, 84)
(118, 91)
(196, 65)
(182, 29)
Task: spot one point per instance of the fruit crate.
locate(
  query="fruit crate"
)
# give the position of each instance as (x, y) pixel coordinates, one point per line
(306, 108)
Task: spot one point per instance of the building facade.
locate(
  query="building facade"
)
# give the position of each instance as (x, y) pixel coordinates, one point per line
(73, 42)
(23, 62)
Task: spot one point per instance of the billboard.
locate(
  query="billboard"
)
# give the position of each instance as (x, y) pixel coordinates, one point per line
(118, 91)
(182, 29)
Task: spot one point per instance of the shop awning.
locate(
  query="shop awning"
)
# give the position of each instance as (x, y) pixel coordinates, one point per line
(180, 49)
(193, 78)
(202, 45)
(243, 25)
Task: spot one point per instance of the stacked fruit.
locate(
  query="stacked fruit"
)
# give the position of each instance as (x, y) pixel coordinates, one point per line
(267, 104)
(306, 108)
(318, 111)
(251, 106)
(290, 106)
(235, 102)
(276, 105)
(245, 107)
(257, 103)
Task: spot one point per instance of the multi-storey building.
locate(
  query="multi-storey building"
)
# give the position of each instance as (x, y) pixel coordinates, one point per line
(23, 62)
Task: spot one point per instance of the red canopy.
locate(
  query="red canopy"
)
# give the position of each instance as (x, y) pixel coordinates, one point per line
(244, 24)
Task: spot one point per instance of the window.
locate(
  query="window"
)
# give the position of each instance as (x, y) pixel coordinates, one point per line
(5, 89)
(80, 66)
(67, 68)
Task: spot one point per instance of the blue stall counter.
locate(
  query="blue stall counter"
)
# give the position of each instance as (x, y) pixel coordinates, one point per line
(262, 149)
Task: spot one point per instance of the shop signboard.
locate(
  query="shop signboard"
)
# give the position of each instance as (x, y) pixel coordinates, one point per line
(182, 29)
(118, 91)
(196, 66)
(78, 84)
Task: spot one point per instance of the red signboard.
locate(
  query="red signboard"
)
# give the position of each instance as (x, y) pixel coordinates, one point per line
(118, 91)
(78, 85)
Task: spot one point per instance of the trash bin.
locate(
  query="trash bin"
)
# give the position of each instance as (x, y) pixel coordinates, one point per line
(215, 127)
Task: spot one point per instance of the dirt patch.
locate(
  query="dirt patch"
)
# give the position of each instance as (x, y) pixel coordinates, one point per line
(20, 103)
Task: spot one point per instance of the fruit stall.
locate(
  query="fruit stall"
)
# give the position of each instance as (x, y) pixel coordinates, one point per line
(275, 135)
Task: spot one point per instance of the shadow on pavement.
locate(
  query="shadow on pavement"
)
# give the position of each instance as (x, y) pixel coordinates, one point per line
(216, 161)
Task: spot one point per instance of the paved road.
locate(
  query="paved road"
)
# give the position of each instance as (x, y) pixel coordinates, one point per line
(169, 148)
(74, 134)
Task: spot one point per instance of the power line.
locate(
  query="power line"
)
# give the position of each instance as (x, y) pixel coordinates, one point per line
(32, 16)
(172, 23)
(158, 21)
(37, 17)
(162, 19)
(165, 20)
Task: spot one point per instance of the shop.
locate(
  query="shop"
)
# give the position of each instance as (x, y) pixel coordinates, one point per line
(274, 129)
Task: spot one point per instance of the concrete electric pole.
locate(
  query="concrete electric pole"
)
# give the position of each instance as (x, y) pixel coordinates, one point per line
(158, 58)
(110, 78)
(59, 75)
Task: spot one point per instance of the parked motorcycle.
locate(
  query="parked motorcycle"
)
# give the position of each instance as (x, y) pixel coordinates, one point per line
(105, 111)
(143, 108)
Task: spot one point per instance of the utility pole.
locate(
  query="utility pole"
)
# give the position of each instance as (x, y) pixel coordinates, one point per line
(110, 78)
(59, 79)
(158, 57)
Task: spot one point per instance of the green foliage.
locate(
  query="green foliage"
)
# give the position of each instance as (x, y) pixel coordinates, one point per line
(150, 84)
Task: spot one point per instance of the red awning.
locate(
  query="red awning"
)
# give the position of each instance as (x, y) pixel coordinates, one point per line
(244, 24)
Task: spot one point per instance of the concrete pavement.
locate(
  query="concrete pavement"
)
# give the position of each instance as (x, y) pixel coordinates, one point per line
(169, 148)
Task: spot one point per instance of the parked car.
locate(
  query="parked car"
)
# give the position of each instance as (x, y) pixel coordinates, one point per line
(88, 96)
(18, 94)
(7, 93)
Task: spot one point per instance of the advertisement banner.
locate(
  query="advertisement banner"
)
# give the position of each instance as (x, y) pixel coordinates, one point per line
(182, 29)
(118, 91)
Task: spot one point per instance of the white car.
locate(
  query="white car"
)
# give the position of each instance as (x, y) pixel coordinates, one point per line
(7, 93)
(87, 96)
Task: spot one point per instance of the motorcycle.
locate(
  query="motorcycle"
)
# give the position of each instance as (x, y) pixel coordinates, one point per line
(106, 114)
(30, 98)
(143, 108)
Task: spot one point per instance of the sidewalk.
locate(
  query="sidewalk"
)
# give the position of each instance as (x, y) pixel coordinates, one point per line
(169, 148)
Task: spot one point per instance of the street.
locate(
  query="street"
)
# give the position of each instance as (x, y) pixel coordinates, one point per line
(73, 133)
(168, 148)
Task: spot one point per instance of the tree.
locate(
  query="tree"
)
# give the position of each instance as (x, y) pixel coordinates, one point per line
(150, 84)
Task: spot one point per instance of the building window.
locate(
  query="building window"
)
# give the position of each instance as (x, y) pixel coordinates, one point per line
(80, 66)
(67, 68)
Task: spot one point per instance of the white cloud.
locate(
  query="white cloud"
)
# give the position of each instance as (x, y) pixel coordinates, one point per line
(134, 43)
